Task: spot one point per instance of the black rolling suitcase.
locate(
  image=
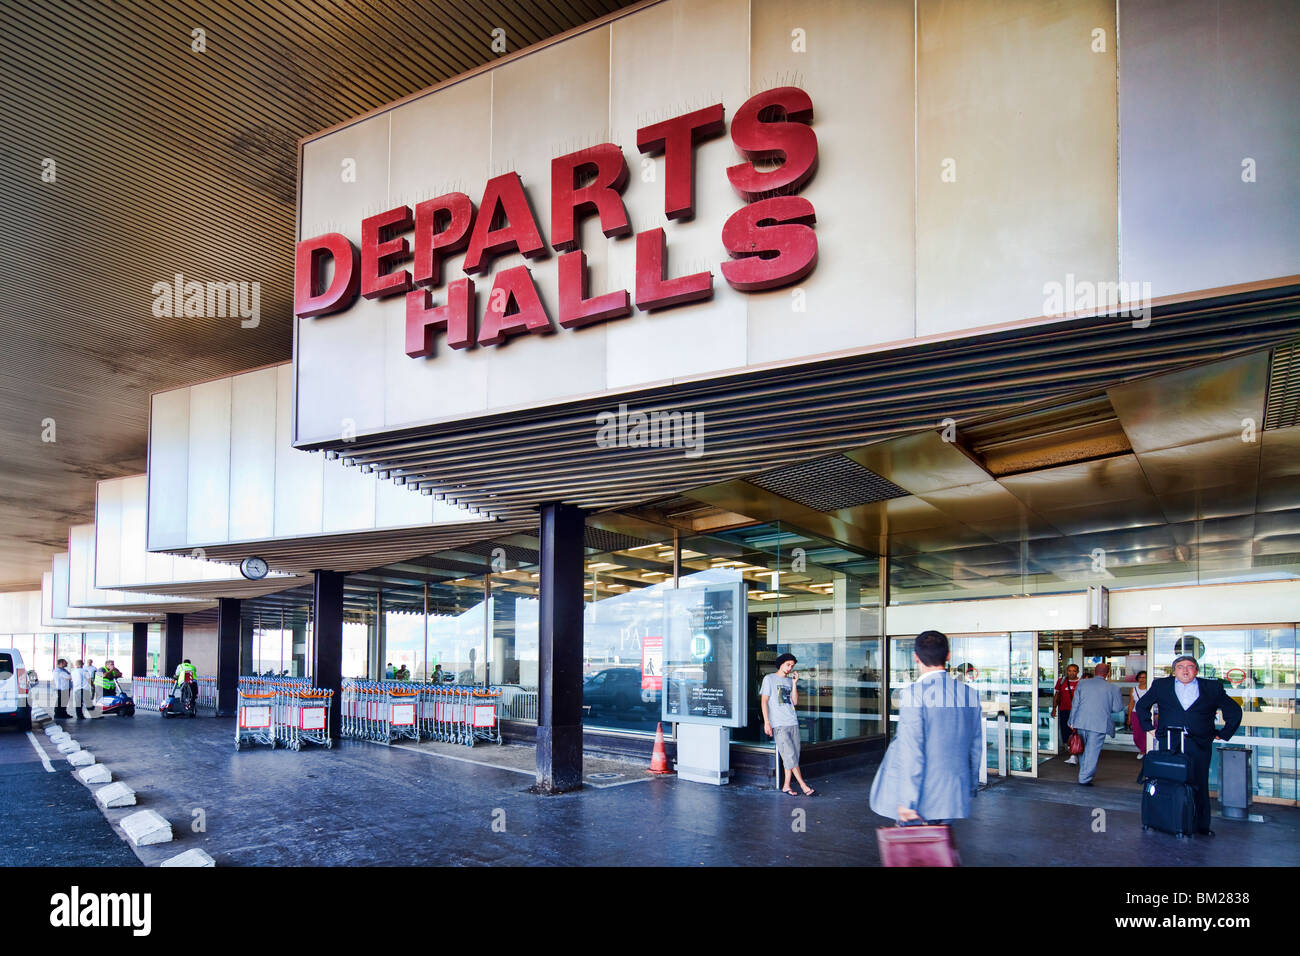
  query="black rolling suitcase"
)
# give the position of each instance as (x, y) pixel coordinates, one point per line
(1168, 798)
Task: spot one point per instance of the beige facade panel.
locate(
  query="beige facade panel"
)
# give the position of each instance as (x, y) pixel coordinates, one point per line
(82, 592)
(1261, 602)
(665, 61)
(858, 58)
(1016, 177)
(20, 612)
(239, 428)
(56, 611)
(122, 561)
(1209, 133)
(1054, 611)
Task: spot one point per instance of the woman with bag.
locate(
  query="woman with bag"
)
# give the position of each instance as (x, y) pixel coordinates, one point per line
(1139, 735)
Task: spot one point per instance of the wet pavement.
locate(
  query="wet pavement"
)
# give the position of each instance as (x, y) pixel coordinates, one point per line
(370, 804)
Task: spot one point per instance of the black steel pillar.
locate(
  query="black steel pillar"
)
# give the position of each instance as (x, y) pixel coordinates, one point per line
(228, 610)
(559, 658)
(139, 649)
(173, 644)
(327, 641)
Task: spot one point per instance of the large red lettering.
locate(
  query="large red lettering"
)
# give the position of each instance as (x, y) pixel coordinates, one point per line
(309, 257)
(653, 289)
(455, 318)
(375, 250)
(513, 307)
(503, 199)
(453, 212)
(576, 310)
(676, 139)
(782, 225)
(790, 139)
(569, 202)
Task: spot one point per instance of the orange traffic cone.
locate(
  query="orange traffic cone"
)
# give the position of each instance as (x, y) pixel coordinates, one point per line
(659, 760)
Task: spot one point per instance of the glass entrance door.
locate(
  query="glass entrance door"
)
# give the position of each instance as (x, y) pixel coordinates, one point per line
(1001, 669)
(1048, 737)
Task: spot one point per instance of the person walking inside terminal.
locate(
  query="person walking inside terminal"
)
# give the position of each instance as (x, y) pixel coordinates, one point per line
(931, 769)
(1095, 700)
(62, 688)
(1063, 698)
(1139, 735)
(1190, 702)
(779, 696)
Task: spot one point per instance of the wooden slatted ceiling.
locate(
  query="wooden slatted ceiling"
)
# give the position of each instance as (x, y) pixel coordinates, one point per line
(172, 161)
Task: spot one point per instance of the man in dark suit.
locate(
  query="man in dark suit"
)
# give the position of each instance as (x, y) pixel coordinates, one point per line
(1190, 702)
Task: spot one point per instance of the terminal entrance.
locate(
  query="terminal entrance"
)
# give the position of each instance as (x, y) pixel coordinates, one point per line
(1124, 650)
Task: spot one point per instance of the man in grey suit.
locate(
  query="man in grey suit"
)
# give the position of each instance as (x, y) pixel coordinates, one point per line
(931, 769)
(1095, 699)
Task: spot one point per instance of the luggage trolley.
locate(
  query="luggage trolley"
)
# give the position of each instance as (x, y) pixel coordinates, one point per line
(304, 717)
(403, 714)
(255, 724)
(485, 716)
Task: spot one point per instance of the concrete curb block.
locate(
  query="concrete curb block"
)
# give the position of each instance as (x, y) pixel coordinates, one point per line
(95, 773)
(69, 747)
(147, 827)
(82, 758)
(53, 729)
(115, 795)
(194, 857)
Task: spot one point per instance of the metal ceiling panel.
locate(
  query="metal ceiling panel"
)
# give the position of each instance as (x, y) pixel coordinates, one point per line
(1194, 405)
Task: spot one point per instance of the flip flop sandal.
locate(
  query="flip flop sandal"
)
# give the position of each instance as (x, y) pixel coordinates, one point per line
(790, 792)
(811, 793)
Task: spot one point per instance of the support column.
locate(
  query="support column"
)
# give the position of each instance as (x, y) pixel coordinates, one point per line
(228, 613)
(299, 654)
(139, 649)
(247, 666)
(173, 644)
(327, 640)
(559, 657)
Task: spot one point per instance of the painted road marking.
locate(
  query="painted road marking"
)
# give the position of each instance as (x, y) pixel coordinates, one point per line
(49, 767)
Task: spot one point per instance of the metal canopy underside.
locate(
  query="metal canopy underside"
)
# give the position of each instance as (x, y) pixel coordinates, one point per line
(1177, 482)
(173, 161)
(766, 420)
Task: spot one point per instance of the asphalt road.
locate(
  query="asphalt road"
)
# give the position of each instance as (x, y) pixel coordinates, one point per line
(50, 819)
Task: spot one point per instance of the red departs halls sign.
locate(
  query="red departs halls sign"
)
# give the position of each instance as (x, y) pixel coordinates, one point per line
(770, 240)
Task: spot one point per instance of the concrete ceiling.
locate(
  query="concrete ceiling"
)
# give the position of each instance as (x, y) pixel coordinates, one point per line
(159, 159)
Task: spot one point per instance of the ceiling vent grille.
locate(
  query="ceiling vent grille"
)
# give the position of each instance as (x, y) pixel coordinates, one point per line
(829, 484)
(1283, 407)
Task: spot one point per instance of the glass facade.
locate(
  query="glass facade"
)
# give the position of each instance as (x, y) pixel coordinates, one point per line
(805, 595)
(1259, 667)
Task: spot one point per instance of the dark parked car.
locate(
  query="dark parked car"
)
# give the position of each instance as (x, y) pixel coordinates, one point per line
(617, 689)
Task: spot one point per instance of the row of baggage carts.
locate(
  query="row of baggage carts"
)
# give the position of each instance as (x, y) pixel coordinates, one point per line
(149, 693)
(284, 712)
(388, 711)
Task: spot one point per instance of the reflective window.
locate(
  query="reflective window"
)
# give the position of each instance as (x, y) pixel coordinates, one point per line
(1259, 667)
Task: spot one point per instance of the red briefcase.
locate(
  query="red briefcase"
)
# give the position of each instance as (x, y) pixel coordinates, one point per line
(917, 844)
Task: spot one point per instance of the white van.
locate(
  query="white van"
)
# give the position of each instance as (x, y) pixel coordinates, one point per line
(15, 704)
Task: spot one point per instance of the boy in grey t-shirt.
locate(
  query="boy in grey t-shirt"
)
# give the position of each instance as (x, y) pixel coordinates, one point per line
(778, 697)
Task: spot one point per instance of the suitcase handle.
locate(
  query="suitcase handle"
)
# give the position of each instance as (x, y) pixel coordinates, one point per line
(919, 822)
(1169, 738)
